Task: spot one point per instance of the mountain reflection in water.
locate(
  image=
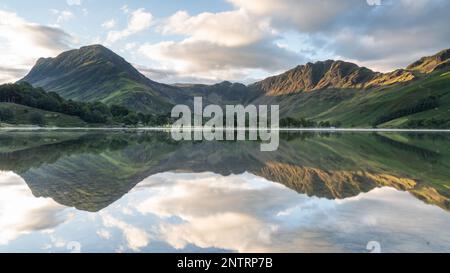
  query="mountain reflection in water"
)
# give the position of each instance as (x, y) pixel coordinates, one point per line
(144, 192)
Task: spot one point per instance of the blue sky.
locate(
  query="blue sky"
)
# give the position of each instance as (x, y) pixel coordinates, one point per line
(213, 40)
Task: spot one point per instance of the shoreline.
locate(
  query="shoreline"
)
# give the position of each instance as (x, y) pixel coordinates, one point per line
(222, 129)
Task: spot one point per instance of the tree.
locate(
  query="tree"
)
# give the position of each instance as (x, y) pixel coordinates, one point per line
(148, 119)
(325, 124)
(91, 112)
(94, 116)
(131, 119)
(425, 104)
(36, 119)
(100, 108)
(7, 115)
(119, 111)
(295, 123)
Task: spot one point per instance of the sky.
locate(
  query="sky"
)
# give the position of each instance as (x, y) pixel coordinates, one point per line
(208, 41)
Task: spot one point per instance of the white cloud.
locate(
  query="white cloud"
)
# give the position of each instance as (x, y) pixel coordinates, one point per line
(125, 9)
(172, 76)
(395, 35)
(241, 213)
(109, 24)
(214, 50)
(136, 238)
(212, 61)
(239, 29)
(382, 34)
(304, 15)
(64, 16)
(139, 20)
(105, 234)
(239, 232)
(246, 213)
(21, 213)
(74, 2)
(215, 211)
(386, 37)
(24, 42)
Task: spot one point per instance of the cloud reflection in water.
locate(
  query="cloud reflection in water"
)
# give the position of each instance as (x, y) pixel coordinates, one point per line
(243, 213)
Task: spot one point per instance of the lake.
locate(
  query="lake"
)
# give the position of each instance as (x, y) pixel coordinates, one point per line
(93, 191)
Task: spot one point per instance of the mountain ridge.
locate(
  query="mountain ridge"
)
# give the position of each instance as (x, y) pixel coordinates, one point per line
(431, 63)
(329, 74)
(318, 75)
(95, 73)
(321, 75)
(326, 91)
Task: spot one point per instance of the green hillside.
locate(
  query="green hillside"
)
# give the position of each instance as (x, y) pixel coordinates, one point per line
(95, 73)
(397, 106)
(23, 115)
(421, 103)
(331, 93)
(24, 105)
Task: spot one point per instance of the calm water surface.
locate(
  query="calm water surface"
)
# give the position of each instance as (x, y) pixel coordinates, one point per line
(143, 192)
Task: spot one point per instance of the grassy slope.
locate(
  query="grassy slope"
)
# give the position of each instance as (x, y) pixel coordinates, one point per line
(22, 116)
(362, 108)
(96, 74)
(438, 85)
(136, 96)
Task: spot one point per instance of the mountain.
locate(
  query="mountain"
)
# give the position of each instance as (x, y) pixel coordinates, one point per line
(329, 75)
(95, 73)
(336, 92)
(347, 95)
(221, 93)
(431, 63)
(332, 74)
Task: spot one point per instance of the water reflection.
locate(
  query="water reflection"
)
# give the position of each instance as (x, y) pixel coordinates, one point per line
(21, 213)
(122, 192)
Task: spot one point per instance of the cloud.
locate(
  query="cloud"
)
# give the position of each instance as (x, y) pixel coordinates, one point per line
(172, 76)
(63, 16)
(74, 2)
(24, 42)
(382, 34)
(136, 238)
(8, 74)
(104, 234)
(238, 232)
(246, 213)
(395, 34)
(239, 29)
(387, 35)
(214, 61)
(302, 15)
(139, 20)
(21, 213)
(214, 211)
(125, 9)
(212, 50)
(240, 213)
(109, 24)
